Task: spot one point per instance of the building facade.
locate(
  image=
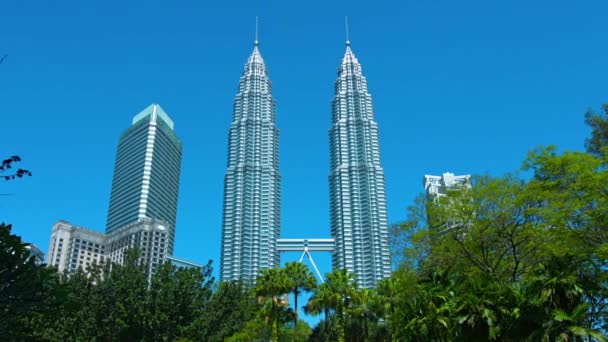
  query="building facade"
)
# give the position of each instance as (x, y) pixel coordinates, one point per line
(72, 247)
(252, 184)
(146, 173)
(438, 186)
(356, 183)
(149, 236)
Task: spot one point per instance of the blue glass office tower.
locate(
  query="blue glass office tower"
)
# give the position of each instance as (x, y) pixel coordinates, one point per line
(356, 182)
(252, 184)
(146, 173)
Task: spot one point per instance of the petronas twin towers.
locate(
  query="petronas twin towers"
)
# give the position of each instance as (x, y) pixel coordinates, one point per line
(252, 185)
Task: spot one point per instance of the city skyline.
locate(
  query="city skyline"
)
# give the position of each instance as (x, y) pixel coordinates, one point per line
(467, 89)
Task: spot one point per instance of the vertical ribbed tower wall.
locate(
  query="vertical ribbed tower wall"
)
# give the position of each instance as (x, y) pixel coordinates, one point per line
(147, 170)
(252, 185)
(356, 182)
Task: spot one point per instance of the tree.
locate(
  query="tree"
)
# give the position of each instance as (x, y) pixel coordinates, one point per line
(231, 306)
(26, 288)
(522, 260)
(599, 131)
(573, 188)
(7, 164)
(270, 286)
(487, 229)
(300, 279)
(336, 294)
(177, 296)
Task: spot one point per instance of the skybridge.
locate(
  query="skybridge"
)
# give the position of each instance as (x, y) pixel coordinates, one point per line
(306, 246)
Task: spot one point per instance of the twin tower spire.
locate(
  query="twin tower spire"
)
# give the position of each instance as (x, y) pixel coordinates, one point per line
(252, 184)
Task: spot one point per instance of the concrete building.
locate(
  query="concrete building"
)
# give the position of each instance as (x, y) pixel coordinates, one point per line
(356, 182)
(438, 186)
(72, 247)
(252, 185)
(150, 236)
(146, 173)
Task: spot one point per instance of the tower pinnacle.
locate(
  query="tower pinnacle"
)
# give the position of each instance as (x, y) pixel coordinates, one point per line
(256, 42)
(347, 35)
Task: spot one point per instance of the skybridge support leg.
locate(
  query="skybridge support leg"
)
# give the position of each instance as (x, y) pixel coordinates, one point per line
(312, 261)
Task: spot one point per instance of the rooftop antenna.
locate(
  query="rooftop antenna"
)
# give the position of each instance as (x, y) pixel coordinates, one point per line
(347, 35)
(256, 43)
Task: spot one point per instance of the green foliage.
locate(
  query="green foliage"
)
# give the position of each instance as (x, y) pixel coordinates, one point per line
(231, 307)
(26, 289)
(508, 259)
(598, 141)
(119, 302)
(338, 294)
(270, 286)
(300, 279)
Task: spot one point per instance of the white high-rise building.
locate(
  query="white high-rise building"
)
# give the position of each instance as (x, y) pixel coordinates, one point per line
(438, 186)
(150, 236)
(72, 247)
(252, 185)
(356, 181)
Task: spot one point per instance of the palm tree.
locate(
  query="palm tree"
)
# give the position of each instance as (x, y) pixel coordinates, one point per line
(336, 294)
(366, 310)
(271, 284)
(300, 279)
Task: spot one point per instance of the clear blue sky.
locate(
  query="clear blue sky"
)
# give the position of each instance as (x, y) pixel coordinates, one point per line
(460, 86)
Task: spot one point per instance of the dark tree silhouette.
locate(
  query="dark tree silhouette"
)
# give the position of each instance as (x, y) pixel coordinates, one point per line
(8, 164)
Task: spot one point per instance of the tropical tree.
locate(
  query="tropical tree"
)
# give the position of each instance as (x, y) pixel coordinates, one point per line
(300, 279)
(336, 294)
(366, 312)
(270, 286)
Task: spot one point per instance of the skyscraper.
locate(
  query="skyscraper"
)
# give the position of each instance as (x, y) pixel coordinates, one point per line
(356, 182)
(146, 173)
(252, 185)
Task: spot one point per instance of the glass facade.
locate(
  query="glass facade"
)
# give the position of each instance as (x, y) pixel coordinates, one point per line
(356, 182)
(252, 185)
(146, 173)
